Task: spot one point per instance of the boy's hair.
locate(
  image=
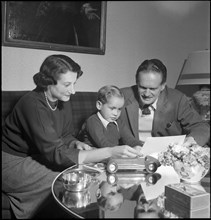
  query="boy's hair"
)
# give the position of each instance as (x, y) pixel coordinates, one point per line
(106, 92)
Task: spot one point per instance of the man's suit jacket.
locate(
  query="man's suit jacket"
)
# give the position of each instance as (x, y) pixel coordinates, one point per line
(174, 115)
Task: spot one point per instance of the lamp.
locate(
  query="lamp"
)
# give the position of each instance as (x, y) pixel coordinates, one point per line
(196, 69)
(194, 76)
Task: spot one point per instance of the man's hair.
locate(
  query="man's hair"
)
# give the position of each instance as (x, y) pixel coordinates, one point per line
(154, 65)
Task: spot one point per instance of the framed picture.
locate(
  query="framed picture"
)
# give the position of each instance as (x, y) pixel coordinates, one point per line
(74, 26)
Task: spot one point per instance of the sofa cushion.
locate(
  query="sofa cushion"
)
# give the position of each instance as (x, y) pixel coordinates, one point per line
(83, 104)
(9, 99)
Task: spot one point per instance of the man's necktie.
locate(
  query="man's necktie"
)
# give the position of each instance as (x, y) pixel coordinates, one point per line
(145, 110)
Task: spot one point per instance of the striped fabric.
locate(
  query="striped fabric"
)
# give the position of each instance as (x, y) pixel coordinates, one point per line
(83, 105)
(9, 99)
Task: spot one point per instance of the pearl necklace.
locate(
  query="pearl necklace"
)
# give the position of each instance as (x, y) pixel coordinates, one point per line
(46, 98)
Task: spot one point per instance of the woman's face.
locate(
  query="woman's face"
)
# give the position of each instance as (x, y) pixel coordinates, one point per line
(64, 87)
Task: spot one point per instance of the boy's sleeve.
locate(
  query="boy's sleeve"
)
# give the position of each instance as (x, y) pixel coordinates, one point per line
(95, 133)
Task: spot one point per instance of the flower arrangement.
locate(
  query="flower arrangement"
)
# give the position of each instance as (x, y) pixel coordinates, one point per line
(191, 155)
(202, 97)
(201, 100)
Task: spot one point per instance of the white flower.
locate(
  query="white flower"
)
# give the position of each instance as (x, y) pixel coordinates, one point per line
(191, 155)
(202, 97)
(179, 148)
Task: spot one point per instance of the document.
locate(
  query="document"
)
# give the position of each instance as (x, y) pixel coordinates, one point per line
(154, 145)
(168, 176)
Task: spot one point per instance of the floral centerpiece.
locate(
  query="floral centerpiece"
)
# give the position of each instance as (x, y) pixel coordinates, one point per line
(190, 162)
(201, 100)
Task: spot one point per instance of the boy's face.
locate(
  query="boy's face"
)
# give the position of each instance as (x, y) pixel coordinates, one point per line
(112, 109)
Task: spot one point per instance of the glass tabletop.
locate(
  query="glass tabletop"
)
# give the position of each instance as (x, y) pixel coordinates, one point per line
(126, 194)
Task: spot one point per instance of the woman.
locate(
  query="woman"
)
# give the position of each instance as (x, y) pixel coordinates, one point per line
(37, 140)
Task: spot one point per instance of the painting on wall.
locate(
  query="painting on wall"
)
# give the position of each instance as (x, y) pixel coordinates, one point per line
(74, 26)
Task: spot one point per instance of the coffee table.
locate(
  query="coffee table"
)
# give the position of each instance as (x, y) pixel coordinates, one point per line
(117, 199)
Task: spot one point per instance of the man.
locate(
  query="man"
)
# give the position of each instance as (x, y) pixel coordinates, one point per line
(153, 109)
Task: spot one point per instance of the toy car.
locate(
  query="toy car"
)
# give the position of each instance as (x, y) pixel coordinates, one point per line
(148, 163)
(133, 178)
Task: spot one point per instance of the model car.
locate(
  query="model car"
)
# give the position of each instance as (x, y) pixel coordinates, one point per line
(133, 178)
(148, 163)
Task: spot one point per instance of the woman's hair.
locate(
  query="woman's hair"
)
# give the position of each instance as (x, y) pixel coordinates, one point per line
(106, 92)
(154, 65)
(51, 69)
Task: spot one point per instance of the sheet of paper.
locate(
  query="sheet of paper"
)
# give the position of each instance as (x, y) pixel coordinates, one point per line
(158, 144)
(168, 176)
(153, 146)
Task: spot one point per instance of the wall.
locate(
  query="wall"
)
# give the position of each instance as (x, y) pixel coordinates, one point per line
(135, 31)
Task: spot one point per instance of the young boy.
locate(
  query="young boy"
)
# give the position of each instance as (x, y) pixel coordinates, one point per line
(104, 129)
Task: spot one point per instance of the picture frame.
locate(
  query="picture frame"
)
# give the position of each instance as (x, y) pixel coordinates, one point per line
(70, 26)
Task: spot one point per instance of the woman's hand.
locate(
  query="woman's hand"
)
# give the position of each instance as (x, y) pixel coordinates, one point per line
(82, 146)
(99, 154)
(139, 149)
(124, 151)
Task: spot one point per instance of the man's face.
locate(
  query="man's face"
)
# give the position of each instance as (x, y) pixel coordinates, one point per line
(149, 87)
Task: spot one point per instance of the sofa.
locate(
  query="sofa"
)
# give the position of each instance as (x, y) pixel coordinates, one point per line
(83, 105)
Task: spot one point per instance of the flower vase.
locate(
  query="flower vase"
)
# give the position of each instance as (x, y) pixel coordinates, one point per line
(190, 174)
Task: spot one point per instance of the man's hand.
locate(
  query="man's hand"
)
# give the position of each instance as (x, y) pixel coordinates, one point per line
(189, 141)
(82, 146)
